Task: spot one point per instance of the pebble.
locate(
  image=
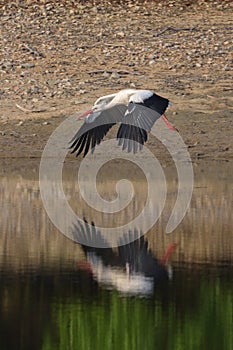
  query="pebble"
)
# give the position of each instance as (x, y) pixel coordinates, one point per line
(115, 75)
(121, 34)
(151, 62)
(27, 65)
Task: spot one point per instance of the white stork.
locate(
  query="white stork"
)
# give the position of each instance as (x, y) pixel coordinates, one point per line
(135, 110)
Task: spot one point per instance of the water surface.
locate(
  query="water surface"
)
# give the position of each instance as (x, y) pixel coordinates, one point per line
(56, 294)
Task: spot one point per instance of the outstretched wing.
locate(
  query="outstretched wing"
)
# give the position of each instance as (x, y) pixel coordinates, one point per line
(84, 231)
(92, 133)
(137, 122)
(143, 110)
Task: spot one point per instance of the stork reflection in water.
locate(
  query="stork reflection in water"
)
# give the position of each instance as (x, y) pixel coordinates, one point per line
(131, 268)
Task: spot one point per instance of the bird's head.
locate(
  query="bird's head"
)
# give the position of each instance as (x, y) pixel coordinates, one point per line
(100, 104)
(91, 114)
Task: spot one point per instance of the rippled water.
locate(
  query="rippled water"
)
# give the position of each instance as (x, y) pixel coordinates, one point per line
(57, 294)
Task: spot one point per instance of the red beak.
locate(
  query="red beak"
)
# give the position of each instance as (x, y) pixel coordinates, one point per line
(85, 266)
(85, 113)
(167, 254)
(169, 125)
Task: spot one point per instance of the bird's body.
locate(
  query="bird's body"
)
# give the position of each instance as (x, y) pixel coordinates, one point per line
(135, 110)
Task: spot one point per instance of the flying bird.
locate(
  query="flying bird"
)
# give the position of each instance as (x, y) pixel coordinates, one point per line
(135, 110)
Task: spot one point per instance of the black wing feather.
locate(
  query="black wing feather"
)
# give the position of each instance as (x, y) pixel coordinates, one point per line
(91, 134)
(138, 121)
(157, 103)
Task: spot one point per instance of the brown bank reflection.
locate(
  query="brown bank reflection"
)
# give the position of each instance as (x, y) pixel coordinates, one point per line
(28, 238)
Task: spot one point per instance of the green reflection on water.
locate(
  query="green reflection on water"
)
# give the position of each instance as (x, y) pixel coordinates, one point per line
(203, 319)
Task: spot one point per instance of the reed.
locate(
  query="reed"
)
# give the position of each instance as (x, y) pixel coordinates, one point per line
(28, 238)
